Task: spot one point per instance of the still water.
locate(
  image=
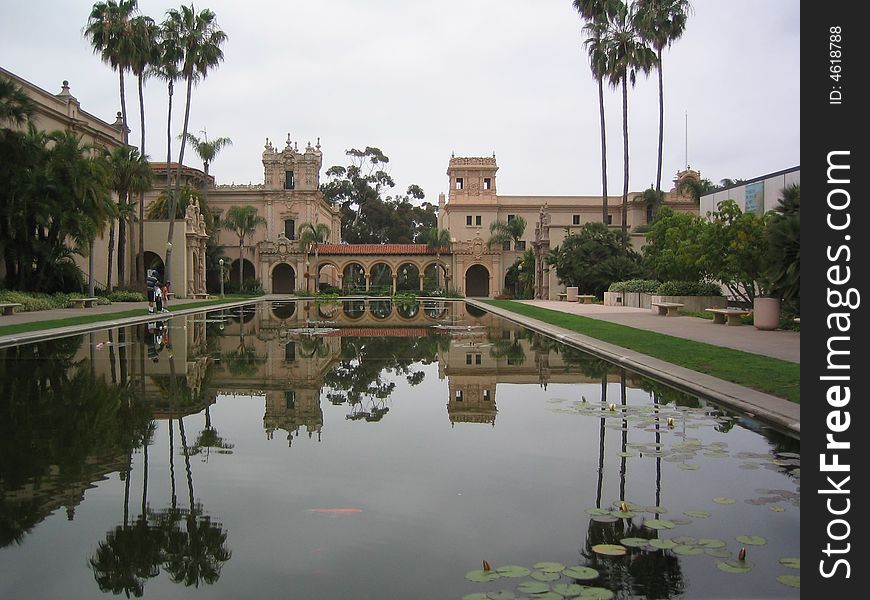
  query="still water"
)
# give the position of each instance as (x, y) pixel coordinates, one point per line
(373, 450)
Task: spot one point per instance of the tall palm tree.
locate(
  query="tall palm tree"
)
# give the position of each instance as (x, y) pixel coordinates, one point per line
(661, 23)
(146, 52)
(131, 173)
(243, 221)
(596, 14)
(628, 54)
(502, 232)
(198, 40)
(311, 235)
(207, 151)
(109, 32)
(438, 239)
(16, 107)
(167, 68)
(695, 188)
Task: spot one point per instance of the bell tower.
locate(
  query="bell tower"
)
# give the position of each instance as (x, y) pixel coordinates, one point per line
(472, 180)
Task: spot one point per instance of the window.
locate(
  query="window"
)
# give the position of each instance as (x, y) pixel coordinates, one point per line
(487, 183)
(468, 359)
(289, 181)
(506, 245)
(290, 352)
(478, 220)
(459, 183)
(610, 219)
(468, 220)
(486, 397)
(458, 395)
(576, 219)
(290, 229)
(478, 358)
(290, 399)
(649, 213)
(511, 218)
(521, 246)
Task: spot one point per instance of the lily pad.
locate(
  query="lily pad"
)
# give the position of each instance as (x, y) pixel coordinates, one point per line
(752, 540)
(663, 544)
(533, 587)
(735, 566)
(605, 518)
(680, 521)
(697, 514)
(477, 596)
(791, 563)
(549, 595)
(659, 524)
(597, 593)
(569, 590)
(549, 567)
(623, 514)
(790, 580)
(717, 552)
(513, 571)
(711, 543)
(634, 542)
(776, 508)
(580, 572)
(688, 550)
(597, 511)
(689, 466)
(545, 576)
(501, 595)
(724, 500)
(482, 576)
(685, 540)
(609, 549)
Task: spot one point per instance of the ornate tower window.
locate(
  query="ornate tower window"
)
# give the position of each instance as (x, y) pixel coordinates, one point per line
(289, 180)
(290, 229)
(459, 183)
(576, 220)
(487, 183)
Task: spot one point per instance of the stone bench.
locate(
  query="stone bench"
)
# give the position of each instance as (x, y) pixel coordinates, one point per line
(9, 307)
(667, 309)
(586, 298)
(563, 296)
(199, 296)
(728, 316)
(83, 302)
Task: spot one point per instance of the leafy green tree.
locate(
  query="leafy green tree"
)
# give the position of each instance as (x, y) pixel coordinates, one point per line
(596, 14)
(674, 248)
(243, 221)
(627, 54)
(16, 107)
(661, 23)
(207, 151)
(311, 235)
(784, 244)
(198, 40)
(695, 188)
(109, 31)
(594, 258)
(368, 215)
(501, 232)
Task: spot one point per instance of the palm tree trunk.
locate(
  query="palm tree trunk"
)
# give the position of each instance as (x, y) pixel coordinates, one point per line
(91, 281)
(123, 104)
(625, 153)
(122, 239)
(604, 209)
(601, 432)
(169, 142)
(661, 125)
(140, 255)
(241, 272)
(173, 203)
(111, 252)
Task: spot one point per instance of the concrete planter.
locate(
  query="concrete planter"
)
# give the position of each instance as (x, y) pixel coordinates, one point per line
(765, 313)
(572, 293)
(632, 299)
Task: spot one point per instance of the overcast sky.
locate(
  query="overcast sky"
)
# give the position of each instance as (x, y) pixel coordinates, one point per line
(420, 80)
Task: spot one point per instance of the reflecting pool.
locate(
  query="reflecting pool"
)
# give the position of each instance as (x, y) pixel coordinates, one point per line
(369, 449)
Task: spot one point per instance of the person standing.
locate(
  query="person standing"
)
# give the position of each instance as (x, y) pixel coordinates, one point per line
(165, 296)
(150, 287)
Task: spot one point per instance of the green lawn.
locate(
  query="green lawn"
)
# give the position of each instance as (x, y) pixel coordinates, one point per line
(770, 375)
(96, 318)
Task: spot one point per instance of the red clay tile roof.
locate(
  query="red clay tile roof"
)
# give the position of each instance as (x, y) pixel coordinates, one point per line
(375, 249)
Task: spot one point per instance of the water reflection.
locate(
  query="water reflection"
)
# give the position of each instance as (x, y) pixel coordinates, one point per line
(81, 411)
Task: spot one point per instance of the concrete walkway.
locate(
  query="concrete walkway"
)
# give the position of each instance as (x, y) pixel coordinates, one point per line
(765, 407)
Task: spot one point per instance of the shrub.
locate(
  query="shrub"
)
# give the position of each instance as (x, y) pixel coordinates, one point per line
(642, 286)
(688, 288)
(124, 296)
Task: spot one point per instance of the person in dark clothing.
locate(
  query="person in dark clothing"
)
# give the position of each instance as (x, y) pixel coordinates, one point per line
(150, 285)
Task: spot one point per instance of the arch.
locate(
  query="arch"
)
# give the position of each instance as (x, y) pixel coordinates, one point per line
(354, 309)
(407, 310)
(436, 309)
(381, 277)
(475, 312)
(283, 279)
(381, 309)
(327, 277)
(477, 281)
(408, 277)
(248, 272)
(353, 278)
(243, 314)
(283, 310)
(328, 310)
(154, 261)
(434, 277)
